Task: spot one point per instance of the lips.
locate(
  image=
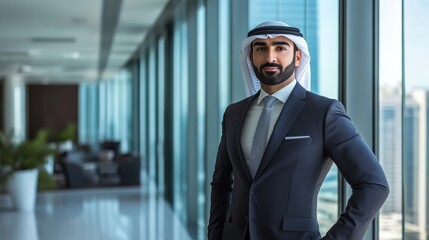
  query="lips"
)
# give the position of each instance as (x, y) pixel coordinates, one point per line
(271, 69)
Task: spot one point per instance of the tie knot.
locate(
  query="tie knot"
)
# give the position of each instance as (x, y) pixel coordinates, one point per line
(269, 100)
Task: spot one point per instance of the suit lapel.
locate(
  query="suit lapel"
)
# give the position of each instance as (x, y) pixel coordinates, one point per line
(289, 113)
(240, 124)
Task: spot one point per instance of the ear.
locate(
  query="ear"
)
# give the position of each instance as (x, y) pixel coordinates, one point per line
(298, 58)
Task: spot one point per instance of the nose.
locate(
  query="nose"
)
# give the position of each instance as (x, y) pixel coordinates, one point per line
(271, 56)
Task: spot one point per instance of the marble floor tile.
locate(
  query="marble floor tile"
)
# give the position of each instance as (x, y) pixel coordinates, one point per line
(125, 213)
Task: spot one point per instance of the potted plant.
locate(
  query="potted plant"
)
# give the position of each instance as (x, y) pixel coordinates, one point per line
(19, 167)
(63, 139)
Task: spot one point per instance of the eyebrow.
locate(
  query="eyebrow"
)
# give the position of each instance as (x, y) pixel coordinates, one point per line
(274, 43)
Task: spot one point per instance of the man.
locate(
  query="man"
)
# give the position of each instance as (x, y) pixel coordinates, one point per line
(271, 194)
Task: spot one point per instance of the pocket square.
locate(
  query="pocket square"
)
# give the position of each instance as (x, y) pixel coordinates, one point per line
(296, 137)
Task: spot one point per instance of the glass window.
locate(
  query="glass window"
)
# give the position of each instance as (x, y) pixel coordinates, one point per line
(404, 98)
(180, 114)
(160, 108)
(416, 121)
(142, 106)
(390, 115)
(201, 121)
(105, 110)
(88, 113)
(224, 52)
(83, 115)
(151, 113)
(319, 23)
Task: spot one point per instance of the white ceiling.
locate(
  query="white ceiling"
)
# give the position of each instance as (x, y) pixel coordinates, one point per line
(59, 41)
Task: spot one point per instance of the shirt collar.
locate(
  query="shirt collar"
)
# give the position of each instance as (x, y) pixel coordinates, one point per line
(282, 94)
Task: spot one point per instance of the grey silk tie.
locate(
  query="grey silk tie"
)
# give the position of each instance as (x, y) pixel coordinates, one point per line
(260, 137)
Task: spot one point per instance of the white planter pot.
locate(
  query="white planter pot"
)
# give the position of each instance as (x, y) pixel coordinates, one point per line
(22, 187)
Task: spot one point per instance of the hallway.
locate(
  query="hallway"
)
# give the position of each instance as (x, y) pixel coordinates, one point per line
(126, 213)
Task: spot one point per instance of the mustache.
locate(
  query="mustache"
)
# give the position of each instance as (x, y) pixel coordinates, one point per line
(271, 65)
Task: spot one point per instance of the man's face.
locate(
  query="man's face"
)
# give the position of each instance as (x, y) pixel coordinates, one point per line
(274, 60)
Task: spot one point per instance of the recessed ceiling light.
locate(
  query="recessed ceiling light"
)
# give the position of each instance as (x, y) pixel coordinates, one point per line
(34, 52)
(71, 55)
(26, 69)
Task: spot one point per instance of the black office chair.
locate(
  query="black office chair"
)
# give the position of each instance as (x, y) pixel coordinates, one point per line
(129, 169)
(111, 145)
(78, 171)
(74, 175)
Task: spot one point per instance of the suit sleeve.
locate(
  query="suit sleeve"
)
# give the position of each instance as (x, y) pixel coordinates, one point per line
(221, 190)
(361, 170)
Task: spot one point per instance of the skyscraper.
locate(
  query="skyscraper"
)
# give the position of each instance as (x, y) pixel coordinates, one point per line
(416, 207)
(390, 156)
(391, 145)
(405, 137)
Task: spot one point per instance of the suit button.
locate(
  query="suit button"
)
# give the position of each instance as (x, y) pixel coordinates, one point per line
(252, 191)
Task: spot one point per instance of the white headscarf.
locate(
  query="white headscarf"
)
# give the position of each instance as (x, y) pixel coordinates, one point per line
(302, 72)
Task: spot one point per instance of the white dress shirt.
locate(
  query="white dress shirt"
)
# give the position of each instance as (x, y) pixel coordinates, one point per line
(255, 111)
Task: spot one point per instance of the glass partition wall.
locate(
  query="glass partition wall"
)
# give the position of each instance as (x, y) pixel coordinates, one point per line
(390, 115)
(403, 135)
(415, 119)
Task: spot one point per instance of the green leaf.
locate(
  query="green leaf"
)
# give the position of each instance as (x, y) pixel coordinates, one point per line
(28, 154)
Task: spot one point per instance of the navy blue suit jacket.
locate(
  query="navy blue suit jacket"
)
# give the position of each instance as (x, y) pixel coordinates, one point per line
(281, 201)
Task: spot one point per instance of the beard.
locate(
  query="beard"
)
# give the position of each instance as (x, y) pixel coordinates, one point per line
(269, 77)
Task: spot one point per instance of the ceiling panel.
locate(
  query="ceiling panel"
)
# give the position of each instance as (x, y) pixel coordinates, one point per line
(59, 41)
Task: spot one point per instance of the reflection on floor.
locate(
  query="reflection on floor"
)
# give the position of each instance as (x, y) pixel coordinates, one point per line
(127, 213)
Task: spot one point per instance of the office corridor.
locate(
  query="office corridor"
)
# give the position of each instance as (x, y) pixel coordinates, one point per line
(126, 213)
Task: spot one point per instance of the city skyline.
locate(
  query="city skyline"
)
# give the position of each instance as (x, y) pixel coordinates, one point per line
(408, 182)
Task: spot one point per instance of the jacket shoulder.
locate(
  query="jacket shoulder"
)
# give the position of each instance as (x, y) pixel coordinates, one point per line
(323, 105)
(314, 97)
(239, 104)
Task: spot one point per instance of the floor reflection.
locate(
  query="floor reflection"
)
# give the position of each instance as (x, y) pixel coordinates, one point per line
(17, 226)
(128, 213)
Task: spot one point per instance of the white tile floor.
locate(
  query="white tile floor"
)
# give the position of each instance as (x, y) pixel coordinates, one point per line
(127, 213)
